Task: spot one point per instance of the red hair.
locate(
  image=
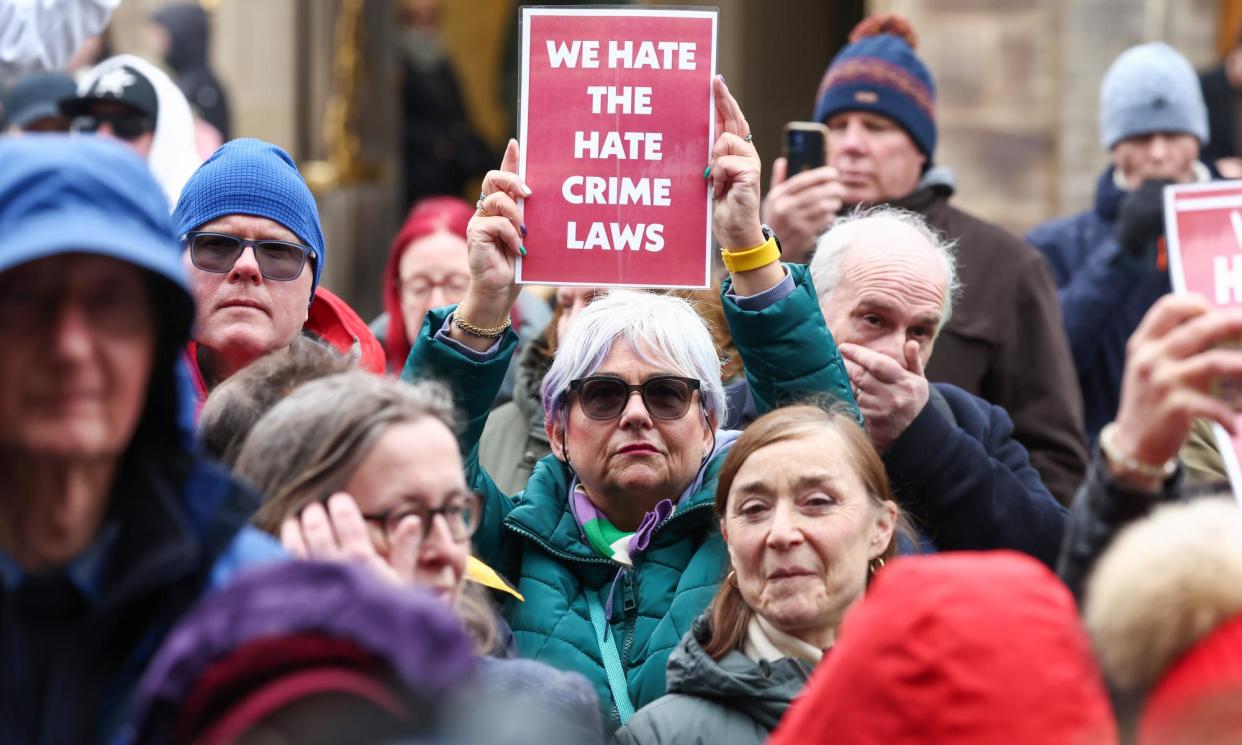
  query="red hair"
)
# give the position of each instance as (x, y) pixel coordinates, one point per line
(428, 216)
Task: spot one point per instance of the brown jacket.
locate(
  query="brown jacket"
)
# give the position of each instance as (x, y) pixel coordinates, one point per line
(1005, 341)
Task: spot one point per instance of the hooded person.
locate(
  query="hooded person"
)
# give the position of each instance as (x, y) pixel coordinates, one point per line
(113, 525)
(314, 651)
(1164, 610)
(250, 227)
(963, 648)
(129, 82)
(188, 34)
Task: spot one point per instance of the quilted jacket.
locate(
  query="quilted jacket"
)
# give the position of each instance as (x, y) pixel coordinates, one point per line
(533, 538)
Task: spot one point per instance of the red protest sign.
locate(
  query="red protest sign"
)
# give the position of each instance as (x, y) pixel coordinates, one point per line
(616, 120)
(1203, 224)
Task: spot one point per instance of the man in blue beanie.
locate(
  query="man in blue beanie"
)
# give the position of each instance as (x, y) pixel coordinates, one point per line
(255, 253)
(1004, 342)
(112, 526)
(1109, 261)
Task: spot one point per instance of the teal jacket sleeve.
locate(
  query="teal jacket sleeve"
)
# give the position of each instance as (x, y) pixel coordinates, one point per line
(474, 383)
(787, 350)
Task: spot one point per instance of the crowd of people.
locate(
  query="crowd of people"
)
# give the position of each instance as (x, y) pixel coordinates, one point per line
(904, 478)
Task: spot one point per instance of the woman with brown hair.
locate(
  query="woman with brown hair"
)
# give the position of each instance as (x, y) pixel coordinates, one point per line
(807, 513)
(379, 457)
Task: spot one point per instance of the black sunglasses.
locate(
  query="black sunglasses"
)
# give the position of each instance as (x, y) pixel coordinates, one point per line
(604, 397)
(278, 261)
(127, 127)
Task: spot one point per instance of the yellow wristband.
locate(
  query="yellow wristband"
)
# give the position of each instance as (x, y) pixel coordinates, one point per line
(751, 258)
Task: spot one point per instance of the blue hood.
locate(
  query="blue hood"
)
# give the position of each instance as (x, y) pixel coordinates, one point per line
(65, 194)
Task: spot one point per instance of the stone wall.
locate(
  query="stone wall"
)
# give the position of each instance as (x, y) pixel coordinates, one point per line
(1018, 88)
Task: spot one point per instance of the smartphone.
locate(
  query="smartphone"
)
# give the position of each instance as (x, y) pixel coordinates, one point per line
(806, 146)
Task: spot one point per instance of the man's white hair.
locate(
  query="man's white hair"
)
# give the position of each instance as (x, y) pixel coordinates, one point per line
(652, 325)
(835, 244)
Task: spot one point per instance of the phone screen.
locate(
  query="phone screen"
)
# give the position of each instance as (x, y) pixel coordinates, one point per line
(804, 146)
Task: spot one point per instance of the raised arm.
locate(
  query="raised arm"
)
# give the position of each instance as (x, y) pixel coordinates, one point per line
(771, 308)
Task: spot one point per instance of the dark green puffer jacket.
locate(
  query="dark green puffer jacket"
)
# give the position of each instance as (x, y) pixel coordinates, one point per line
(733, 701)
(533, 539)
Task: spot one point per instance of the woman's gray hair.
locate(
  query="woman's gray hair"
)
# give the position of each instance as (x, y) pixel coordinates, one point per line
(833, 245)
(308, 445)
(652, 324)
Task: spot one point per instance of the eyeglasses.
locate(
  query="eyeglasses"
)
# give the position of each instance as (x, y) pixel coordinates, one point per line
(460, 511)
(418, 288)
(603, 397)
(127, 127)
(278, 261)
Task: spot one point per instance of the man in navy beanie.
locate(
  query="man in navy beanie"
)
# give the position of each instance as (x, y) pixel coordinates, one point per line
(254, 251)
(1004, 341)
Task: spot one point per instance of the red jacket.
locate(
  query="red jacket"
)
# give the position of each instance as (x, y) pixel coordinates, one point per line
(957, 648)
(330, 321)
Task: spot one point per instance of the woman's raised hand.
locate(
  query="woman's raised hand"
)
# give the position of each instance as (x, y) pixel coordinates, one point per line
(336, 531)
(734, 175)
(494, 240)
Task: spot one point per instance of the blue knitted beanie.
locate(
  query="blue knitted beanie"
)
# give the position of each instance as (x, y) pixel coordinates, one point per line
(879, 72)
(1151, 88)
(252, 177)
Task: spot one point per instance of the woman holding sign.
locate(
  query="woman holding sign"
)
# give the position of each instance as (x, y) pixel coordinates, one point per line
(613, 542)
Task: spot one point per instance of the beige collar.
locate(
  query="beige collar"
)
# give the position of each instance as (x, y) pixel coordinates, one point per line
(766, 642)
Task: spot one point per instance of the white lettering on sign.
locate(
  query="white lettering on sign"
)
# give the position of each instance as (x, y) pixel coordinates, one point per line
(620, 100)
(616, 237)
(651, 55)
(617, 190)
(614, 145)
(568, 55)
(1227, 273)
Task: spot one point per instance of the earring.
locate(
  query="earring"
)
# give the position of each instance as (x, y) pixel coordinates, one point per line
(731, 578)
(876, 565)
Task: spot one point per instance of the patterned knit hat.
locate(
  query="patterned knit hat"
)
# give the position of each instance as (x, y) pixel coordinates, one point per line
(252, 177)
(879, 72)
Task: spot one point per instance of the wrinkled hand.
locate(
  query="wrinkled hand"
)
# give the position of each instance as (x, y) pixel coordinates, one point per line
(734, 175)
(1171, 364)
(800, 208)
(889, 396)
(1140, 221)
(340, 534)
(493, 242)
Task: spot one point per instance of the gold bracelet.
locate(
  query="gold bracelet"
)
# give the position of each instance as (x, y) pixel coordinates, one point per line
(485, 333)
(751, 258)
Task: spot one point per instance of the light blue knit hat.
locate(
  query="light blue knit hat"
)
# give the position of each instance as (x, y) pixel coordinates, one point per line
(252, 177)
(1151, 88)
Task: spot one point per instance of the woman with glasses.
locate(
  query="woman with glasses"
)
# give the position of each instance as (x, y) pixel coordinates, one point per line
(356, 466)
(612, 541)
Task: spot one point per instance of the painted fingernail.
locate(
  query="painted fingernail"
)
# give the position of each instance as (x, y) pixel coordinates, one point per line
(522, 229)
(707, 172)
(522, 250)
(723, 80)
(525, 190)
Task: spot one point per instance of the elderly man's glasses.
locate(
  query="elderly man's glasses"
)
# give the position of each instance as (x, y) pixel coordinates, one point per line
(278, 261)
(128, 127)
(460, 512)
(604, 397)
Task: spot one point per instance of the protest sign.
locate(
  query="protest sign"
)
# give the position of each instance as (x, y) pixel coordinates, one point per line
(616, 123)
(1203, 224)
